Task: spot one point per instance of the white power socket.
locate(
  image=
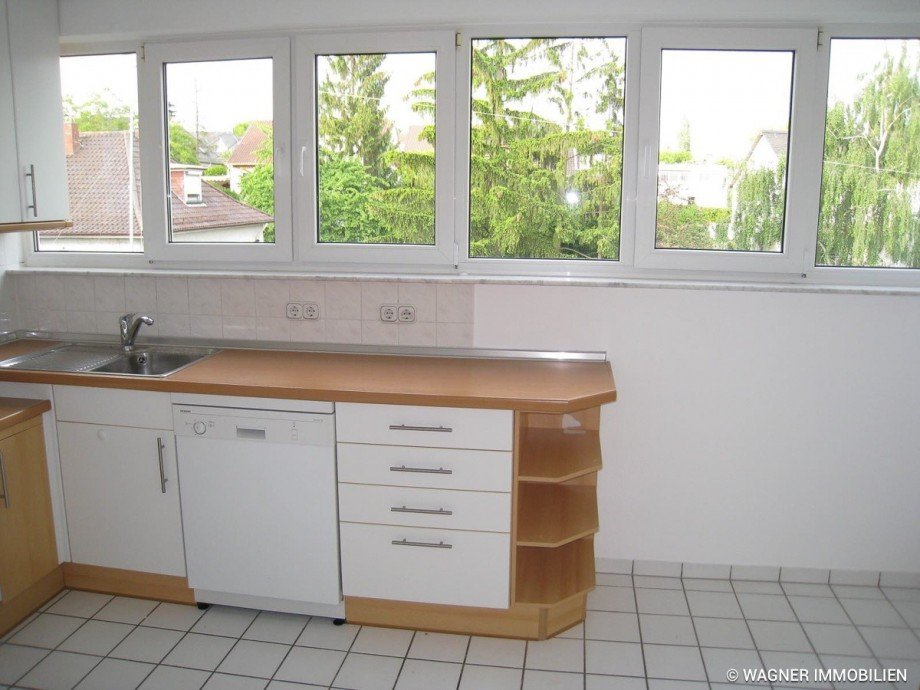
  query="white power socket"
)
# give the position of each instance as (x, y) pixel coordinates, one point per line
(311, 310)
(406, 313)
(294, 310)
(388, 313)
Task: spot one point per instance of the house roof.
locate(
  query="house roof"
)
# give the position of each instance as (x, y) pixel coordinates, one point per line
(778, 141)
(100, 201)
(412, 142)
(245, 153)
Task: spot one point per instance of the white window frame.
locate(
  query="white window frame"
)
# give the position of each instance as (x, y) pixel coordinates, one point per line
(549, 267)
(855, 275)
(802, 170)
(308, 249)
(154, 189)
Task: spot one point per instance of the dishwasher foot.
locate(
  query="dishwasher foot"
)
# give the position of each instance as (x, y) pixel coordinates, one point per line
(202, 606)
(338, 621)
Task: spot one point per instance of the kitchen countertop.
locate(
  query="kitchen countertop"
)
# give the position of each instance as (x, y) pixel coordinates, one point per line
(528, 386)
(16, 410)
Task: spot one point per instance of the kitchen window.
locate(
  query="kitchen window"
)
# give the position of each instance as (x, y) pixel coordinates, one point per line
(721, 145)
(102, 150)
(375, 121)
(218, 169)
(546, 130)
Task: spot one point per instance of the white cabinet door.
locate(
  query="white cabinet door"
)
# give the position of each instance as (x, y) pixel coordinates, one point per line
(36, 72)
(120, 511)
(10, 208)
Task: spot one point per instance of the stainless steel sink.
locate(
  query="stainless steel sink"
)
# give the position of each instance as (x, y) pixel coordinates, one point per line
(155, 361)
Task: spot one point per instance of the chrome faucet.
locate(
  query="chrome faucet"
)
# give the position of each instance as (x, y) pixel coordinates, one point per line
(129, 325)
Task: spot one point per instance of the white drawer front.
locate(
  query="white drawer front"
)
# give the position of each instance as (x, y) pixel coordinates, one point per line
(474, 571)
(433, 427)
(113, 406)
(437, 468)
(439, 508)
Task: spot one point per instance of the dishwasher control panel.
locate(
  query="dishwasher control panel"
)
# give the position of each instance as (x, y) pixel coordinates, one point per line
(254, 425)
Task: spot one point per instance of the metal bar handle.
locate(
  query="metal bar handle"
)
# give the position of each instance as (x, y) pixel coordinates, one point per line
(34, 204)
(425, 511)
(421, 470)
(410, 427)
(160, 448)
(6, 494)
(425, 544)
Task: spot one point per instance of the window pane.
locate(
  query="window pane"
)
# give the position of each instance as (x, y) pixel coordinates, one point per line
(870, 197)
(722, 149)
(375, 148)
(221, 178)
(101, 143)
(546, 147)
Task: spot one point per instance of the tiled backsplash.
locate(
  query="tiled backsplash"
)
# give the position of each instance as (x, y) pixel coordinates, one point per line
(250, 308)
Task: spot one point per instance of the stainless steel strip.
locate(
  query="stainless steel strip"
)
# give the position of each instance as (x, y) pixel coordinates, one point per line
(425, 544)
(423, 511)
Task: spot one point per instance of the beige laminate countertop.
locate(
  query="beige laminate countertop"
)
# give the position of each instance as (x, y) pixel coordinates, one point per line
(529, 386)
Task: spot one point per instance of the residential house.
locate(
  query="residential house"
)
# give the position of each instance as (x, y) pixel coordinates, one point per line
(246, 155)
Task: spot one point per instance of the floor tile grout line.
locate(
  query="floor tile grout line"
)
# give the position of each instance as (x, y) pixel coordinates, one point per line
(693, 625)
(747, 624)
(291, 647)
(639, 626)
(171, 649)
(900, 615)
(466, 653)
(802, 628)
(347, 652)
(405, 656)
(232, 647)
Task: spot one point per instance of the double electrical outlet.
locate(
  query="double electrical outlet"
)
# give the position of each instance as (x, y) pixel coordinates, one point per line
(391, 313)
(307, 310)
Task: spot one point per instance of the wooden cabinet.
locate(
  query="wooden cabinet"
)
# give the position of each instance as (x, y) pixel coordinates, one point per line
(29, 571)
(121, 489)
(33, 175)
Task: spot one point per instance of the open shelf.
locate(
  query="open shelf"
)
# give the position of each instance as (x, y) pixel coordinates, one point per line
(551, 515)
(547, 576)
(553, 455)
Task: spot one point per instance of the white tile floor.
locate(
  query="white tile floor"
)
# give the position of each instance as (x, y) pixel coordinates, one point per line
(649, 633)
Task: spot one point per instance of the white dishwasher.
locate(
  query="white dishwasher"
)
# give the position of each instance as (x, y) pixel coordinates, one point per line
(259, 512)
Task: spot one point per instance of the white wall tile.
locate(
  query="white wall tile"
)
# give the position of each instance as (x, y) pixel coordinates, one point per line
(308, 330)
(81, 322)
(50, 292)
(271, 296)
(347, 331)
(374, 296)
(455, 303)
(239, 327)
(308, 291)
(80, 293)
(237, 297)
(204, 295)
(422, 296)
(205, 326)
(140, 294)
(420, 333)
(172, 295)
(343, 299)
(107, 321)
(272, 328)
(109, 293)
(25, 293)
(455, 334)
(173, 324)
(379, 333)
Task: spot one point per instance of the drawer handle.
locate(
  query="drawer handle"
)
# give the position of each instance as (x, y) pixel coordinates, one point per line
(409, 427)
(6, 489)
(424, 511)
(425, 544)
(421, 470)
(160, 448)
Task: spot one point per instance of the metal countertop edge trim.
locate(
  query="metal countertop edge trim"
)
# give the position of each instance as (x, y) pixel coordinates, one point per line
(227, 344)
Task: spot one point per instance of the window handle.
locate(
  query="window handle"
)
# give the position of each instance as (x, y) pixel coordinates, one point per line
(303, 155)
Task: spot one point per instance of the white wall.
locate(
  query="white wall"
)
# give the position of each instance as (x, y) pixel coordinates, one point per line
(751, 428)
(82, 19)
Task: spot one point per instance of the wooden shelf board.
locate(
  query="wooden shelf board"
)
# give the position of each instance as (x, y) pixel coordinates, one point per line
(552, 515)
(549, 576)
(35, 225)
(552, 455)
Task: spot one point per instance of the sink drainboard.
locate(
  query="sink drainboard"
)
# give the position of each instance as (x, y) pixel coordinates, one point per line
(65, 358)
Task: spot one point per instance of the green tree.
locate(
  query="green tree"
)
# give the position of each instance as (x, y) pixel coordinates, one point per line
(871, 185)
(240, 128)
(257, 187)
(345, 189)
(684, 142)
(759, 205)
(98, 114)
(182, 145)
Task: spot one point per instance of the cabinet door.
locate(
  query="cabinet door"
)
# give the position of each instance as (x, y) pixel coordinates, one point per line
(120, 512)
(26, 526)
(36, 67)
(10, 208)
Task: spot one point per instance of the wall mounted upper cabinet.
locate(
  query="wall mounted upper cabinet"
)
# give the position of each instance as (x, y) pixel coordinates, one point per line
(33, 176)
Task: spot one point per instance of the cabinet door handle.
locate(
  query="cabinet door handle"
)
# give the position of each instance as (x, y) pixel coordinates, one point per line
(421, 470)
(34, 204)
(425, 544)
(6, 491)
(410, 427)
(160, 448)
(425, 511)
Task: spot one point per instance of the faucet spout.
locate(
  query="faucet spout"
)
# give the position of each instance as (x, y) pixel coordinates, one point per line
(128, 326)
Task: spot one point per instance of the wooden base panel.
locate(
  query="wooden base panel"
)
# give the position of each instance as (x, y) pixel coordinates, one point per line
(522, 622)
(129, 583)
(18, 608)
